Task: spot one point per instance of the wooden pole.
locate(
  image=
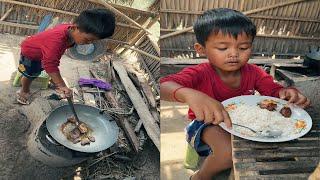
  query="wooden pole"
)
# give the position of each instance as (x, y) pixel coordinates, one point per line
(273, 6)
(57, 11)
(267, 61)
(142, 52)
(288, 37)
(39, 7)
(122, 120)
(141, 34)
(250, 16)
(107, 5)
(6, 14)
(265, 35)
(18, 25)
(284, 18)
(176, 33)
(125, 45)
(246, 13)
(36, 27)
(142, 109)
(148, 13)
(127, 26)
(181, 11)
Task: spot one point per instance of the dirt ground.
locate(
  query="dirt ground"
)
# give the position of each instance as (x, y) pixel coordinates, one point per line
(15, 160)
(173, 144)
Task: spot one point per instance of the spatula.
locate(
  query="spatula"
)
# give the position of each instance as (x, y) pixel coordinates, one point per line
(73, 110)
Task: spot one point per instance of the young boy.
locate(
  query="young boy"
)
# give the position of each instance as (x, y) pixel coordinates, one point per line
(44, 50)
(225, 36)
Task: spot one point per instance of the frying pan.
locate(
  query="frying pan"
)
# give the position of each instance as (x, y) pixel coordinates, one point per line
(105, 130)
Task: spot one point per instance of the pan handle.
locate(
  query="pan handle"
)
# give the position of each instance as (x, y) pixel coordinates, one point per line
(51, 140)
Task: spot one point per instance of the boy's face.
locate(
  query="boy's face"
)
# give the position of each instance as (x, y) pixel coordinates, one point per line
(225, 52)
(82, 37)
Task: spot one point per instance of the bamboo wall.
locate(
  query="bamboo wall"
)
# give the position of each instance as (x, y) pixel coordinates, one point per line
(150, 65)
(283, 30)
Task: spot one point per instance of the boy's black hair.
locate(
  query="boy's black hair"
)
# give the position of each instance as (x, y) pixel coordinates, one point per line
(99, 22)
(228, 21)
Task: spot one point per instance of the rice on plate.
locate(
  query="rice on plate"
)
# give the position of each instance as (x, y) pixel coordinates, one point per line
(261, 119)
(245, 110)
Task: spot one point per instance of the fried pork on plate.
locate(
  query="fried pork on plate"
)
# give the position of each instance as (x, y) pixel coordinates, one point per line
(268, 104)
(286, 111)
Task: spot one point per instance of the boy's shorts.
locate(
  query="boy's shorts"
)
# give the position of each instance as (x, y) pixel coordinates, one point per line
(28, 68)
(193, 133)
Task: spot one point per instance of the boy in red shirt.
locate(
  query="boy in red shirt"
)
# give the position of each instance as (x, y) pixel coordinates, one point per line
(225, 36)
(44, 50)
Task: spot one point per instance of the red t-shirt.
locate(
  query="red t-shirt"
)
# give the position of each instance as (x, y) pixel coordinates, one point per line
(204, 78)
(47, 47)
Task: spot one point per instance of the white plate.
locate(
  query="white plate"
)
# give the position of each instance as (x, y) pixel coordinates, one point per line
(251, 100)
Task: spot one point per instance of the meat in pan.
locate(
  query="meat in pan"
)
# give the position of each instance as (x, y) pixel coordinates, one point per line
(77, 134)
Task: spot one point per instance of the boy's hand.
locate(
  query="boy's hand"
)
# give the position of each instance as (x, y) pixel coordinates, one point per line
(205, 107)
(65, 91)
(294, 96)
(62, 89)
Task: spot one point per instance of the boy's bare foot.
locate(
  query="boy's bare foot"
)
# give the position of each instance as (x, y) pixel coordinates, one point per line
(23, 98)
